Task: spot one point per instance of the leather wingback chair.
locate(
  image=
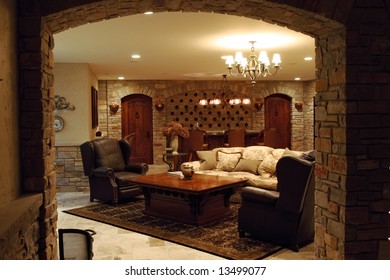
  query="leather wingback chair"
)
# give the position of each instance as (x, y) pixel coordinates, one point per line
(284, 216)
(235, 137)
(105, 162)
(131, 139)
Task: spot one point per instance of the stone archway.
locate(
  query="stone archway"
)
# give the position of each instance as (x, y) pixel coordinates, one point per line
(335, 173)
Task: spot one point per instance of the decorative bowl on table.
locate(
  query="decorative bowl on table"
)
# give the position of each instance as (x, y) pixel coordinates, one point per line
(187, 171)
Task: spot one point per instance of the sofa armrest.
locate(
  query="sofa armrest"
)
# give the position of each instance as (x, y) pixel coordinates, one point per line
(137, 167)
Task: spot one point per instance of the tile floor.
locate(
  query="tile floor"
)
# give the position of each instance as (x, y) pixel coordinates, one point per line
(112, 243)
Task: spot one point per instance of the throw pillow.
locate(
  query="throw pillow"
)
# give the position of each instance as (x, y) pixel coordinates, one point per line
(231, 150)
(227, 161)
(277, 153)
(288, 152)
(208, 159)
(247, 165)
(256, 152)
(268, 166)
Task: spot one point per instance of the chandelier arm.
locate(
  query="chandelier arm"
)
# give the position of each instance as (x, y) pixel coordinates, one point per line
(276, 70)
(233, 71)
(269, 72)
(240, 69)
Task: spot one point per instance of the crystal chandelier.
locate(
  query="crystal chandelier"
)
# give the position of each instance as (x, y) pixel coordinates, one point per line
(253, 67)
(225, 96)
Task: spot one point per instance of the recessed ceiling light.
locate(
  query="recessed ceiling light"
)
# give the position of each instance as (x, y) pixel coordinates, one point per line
(121, 78)
(148, 13)
(308, 58)
(136, 56)
(297, 79)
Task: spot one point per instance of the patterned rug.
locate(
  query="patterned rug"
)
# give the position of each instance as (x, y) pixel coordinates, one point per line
(219, 238)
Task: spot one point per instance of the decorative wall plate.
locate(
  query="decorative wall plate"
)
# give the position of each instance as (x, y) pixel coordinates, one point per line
(58, 123)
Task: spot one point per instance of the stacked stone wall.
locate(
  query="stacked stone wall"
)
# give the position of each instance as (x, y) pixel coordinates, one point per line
(367, 183)
(70, 172)
(351, 107)
(37, 138)
(20, 225)
(176, 95)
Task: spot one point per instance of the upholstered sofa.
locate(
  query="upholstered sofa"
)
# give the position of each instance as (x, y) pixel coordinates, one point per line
(257, 164)
(278, 202)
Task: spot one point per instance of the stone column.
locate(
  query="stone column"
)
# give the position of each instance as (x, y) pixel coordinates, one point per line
(36, 119)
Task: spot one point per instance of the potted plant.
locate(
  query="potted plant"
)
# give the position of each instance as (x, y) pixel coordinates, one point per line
(174, 130)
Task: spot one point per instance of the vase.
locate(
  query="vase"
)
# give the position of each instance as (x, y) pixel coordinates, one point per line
(174, 144)
(187, 171)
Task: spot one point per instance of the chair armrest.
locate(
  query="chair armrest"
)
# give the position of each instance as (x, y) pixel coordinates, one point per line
(259, 195)
(103, 172)
(137, 167)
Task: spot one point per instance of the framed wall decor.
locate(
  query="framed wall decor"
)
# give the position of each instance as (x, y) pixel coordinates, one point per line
(95, 107)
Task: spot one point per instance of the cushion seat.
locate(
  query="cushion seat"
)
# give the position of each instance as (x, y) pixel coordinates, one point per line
(122, 178)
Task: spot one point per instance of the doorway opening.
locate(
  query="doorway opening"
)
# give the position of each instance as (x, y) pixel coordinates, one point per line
(137, 121)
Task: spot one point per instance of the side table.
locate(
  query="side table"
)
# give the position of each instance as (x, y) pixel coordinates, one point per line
(175, 160)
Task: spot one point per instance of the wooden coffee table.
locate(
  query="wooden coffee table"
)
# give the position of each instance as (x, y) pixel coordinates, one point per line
(198, 201)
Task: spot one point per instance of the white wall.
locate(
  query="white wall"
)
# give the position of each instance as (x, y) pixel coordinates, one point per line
(73, 81)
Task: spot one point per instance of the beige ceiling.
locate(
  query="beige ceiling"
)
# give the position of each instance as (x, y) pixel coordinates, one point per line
(180, 46)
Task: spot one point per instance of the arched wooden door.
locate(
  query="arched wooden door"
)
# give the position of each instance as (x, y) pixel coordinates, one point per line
(277, 118)
(137, 118)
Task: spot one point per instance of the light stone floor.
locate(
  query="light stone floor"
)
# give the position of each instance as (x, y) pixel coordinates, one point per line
(112, 243)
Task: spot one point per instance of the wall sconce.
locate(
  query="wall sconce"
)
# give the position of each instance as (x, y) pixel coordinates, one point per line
(159, 105)
(299, 106)
(258, 105)
(61, 104)
(114, 108)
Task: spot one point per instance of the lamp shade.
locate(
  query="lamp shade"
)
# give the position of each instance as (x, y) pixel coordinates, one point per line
(229, 60)
(276, 59)
(238, 58)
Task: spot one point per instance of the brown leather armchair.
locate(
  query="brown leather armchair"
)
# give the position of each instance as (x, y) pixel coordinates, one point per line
(105, 162)
(285, 216)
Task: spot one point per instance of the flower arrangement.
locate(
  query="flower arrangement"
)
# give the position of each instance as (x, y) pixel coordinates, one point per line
(176, 129)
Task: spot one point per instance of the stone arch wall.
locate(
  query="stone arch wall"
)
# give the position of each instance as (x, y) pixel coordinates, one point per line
(180, 109)
(352, 178)
(112, 93)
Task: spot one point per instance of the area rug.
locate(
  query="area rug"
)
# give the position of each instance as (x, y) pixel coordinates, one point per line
(219, 238)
